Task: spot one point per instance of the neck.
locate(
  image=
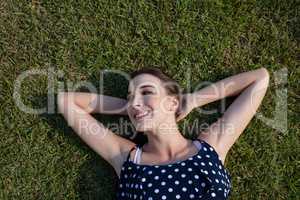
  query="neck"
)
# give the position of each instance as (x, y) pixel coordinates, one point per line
(166, 142)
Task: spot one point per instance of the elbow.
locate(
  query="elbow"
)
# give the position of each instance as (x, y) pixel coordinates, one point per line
(61, 102)
(265, 72)
(60, 98)
(264, 77)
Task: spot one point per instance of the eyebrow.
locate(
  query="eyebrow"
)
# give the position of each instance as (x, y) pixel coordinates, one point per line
(143, 86)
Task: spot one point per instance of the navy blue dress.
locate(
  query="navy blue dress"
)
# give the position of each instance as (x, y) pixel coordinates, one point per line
(201, 176)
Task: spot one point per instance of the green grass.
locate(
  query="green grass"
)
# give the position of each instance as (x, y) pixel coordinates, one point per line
(42, 158)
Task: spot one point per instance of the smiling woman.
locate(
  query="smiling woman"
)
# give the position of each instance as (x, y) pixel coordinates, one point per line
(168, 166)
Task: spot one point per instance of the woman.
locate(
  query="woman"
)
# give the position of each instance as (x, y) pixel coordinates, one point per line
(168, 166)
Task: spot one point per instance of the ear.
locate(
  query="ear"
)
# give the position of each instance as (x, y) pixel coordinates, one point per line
(174, 104)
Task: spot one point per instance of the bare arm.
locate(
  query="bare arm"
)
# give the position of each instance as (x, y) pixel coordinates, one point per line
(230, 86)
(223, 133)
(75, 109)
(98, 103)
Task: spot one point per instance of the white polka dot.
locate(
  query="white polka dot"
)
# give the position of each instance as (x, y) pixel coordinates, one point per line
(156, 177)
(150, 172)
(143, 179)
(183, 175)
(196, 177)
(196, 164)
(176, 182)
(202, 163)
(203, 184)
(170, 189)
(156, 191)
(182, 164)
(163, 183)
(217, 181)
(163, 197)
(204, 148)
(184, 189)
(163, 171)
(170, 176)
(176, 170)
(213, 194)
(210, 163)
(190, 182)
(207, 156)
(192, 196)
(149, 184)
(190, 169)
(177, 196)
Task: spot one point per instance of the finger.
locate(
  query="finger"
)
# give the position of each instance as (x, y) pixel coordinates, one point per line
(179, 118)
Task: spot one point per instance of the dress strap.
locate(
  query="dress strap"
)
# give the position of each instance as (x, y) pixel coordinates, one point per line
(137, 155)
(198, 143)
(128, 156)
(201, 141)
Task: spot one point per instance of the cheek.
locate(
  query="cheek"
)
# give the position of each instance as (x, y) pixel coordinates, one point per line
(160, 105)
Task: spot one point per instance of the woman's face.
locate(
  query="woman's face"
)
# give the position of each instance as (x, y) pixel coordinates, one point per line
(149, 106)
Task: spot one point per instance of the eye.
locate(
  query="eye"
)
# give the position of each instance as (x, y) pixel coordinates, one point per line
(147, 92)
(144, 93)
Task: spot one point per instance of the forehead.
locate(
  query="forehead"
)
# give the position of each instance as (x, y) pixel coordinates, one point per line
(144, 79)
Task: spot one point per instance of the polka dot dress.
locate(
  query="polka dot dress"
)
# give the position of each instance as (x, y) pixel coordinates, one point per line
(201, 176)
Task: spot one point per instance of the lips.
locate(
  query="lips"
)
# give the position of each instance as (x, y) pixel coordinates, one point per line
(141, 115)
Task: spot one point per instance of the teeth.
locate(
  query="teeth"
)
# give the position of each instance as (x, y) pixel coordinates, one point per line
(142, 114)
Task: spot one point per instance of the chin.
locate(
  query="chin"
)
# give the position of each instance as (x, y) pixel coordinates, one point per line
(143, 127)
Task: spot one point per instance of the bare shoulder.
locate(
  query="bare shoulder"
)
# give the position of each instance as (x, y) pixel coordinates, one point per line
(125, 147)
(212, 141)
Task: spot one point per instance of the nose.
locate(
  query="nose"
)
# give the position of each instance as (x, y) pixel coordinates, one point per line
(136, 102)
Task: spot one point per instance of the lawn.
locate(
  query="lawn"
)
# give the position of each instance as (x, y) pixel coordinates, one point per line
(68, 42)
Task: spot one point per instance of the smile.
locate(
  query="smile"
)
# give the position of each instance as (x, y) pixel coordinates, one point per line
(142, 115)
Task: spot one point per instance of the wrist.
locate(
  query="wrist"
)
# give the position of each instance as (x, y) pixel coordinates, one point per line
(194, 101)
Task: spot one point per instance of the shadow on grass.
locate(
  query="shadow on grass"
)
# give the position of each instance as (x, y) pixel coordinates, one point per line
(97, 179)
